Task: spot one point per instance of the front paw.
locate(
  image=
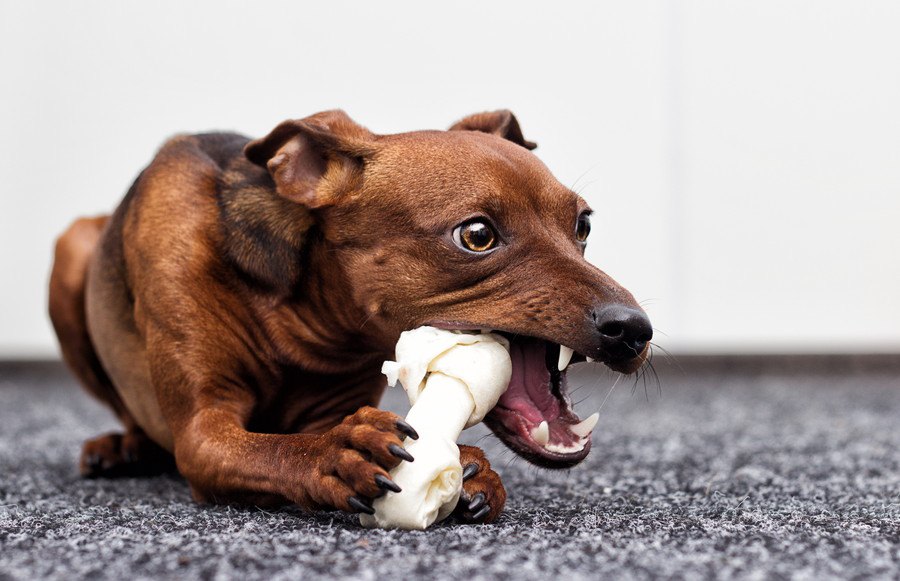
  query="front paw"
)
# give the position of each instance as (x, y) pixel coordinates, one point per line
(355, 458)
(483, 495)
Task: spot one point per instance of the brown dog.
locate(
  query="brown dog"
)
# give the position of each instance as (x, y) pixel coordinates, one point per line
(235, 310)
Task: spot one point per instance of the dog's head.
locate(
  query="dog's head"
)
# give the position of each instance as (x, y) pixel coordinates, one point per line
(465, 229)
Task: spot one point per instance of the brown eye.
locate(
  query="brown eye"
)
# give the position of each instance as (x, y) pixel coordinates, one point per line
(583, 227)
(476, 236)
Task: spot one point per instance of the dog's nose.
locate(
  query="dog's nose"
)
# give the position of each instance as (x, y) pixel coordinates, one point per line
(624, 331)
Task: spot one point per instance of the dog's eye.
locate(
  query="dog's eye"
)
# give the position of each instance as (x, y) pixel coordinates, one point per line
(476, 236)
(583, 227)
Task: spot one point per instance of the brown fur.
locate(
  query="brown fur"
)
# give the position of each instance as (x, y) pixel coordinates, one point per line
(235, 309)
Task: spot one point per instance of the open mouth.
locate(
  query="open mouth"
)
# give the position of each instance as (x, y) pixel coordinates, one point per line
(534, 417)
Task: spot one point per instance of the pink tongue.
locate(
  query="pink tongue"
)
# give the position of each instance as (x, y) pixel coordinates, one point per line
(529, 388)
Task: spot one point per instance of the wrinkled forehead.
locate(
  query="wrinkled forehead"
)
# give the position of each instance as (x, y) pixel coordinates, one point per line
(464, 171)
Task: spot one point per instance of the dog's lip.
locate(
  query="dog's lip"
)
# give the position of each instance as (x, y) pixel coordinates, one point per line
(457, 326)
(449, 325)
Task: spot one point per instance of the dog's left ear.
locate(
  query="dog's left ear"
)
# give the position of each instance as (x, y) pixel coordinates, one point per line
(309, 158)
(501, 123)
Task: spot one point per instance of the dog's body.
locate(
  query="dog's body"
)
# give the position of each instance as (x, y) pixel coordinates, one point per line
(235, 309)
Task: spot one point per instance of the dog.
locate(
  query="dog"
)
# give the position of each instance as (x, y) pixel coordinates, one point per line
(235, 309)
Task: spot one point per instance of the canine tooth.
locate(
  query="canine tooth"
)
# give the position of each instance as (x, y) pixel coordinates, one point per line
(584, 427)
(565, 355)
(589, 359)
(541, 434)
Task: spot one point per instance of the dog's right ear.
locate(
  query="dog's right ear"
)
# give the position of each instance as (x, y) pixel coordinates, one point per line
(501, 123)
(311, 158)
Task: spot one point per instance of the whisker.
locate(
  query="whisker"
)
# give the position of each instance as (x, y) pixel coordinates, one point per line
(482, 438)
(584, 186)
(660, 331)
(586, 172)
(669, 357)
(573, 391)
(512, 459)
(653, 371)
(369, 318)
(609, 393)
(595, 383)
(644, 378)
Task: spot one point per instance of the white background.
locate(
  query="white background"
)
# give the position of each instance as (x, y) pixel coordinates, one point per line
(743, 158)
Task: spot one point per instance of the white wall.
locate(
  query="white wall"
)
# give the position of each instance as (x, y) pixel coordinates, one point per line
(743, 158)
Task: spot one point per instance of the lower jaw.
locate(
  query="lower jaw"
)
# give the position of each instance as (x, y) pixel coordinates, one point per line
(532, 451)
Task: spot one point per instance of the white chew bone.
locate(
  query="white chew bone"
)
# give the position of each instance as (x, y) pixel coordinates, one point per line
(452, 379)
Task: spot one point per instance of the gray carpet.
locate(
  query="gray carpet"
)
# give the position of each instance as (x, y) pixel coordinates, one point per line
(730, 472)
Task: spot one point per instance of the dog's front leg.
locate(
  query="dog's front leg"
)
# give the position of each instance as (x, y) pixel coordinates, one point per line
(343, 468)
(483, 495)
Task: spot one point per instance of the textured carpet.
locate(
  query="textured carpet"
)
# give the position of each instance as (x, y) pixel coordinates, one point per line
(729, 472)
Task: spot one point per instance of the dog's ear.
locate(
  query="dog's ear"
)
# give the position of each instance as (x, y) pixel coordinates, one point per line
(501, 123)
(303, 155)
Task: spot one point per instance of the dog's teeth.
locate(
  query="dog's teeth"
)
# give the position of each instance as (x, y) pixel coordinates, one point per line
(541, 434)
(589, 359)
(584, 427)
(565, 355)
(571, 449)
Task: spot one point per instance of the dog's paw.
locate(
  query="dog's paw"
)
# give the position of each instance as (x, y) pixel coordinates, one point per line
(120, 455)
(483, 495)
(356, 457)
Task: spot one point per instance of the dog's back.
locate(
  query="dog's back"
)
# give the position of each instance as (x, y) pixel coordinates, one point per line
(92, 305)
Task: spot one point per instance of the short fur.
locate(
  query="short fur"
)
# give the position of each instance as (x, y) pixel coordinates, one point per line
(235, 309)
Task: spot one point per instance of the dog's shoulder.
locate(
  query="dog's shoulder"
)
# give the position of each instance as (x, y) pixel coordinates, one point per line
(201, 192)
(262, 234)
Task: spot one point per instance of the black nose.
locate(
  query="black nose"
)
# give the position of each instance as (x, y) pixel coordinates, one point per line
(624, 332)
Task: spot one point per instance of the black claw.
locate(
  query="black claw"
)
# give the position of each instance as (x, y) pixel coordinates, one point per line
(482, 513)
(477, 501)
(360, 505)
(400, 452)
(386, 483)
(470, 470)
(407, 429)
